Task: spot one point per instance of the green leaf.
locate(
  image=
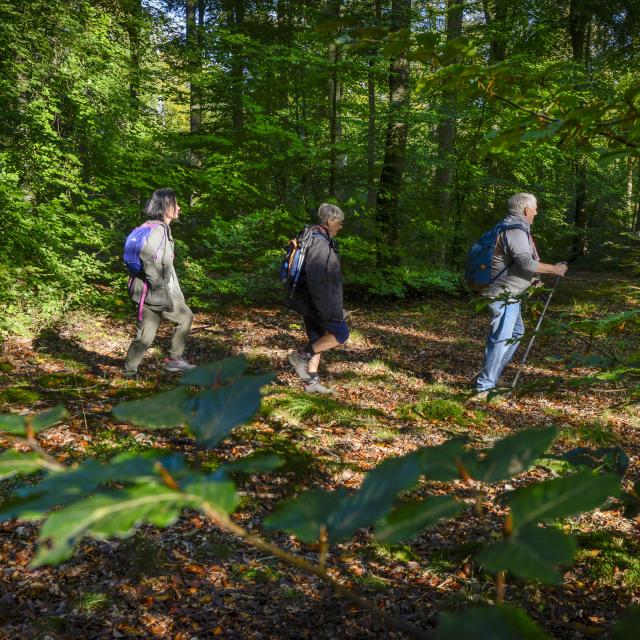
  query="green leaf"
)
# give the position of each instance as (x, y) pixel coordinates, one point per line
(219, 493)
(375, 497)
(109, 514)
(613, 459)
(165, 410)
(258, 463)
(560, 497)
(531, 554)
(627, 627)
(481, 622)
(213, 413)
(440, 463)
(62, 488)
(215, 373)
(48, 418)
(14, 462)
(513, 455)
(118, 513)
(306, 513)
(409, 520)
(10, 423)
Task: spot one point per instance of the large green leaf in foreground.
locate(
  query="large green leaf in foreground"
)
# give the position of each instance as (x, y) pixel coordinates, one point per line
(513, 455)
(210, 413)
(306, 514)
(62, 488)
(409, 520)
(15, 462)
(375, 497)
(213, 413)
(17, 425)
(489, 623)
(118, 513)
(532, 554)
(545, 501)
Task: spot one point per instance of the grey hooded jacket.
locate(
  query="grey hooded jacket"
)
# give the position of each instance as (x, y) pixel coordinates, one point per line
(517, 252)
(158, 271)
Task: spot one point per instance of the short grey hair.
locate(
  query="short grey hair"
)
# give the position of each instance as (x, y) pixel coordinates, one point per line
(519, 201)
(328, 212)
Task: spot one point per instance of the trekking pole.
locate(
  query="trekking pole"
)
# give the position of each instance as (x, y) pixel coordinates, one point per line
(535, 333)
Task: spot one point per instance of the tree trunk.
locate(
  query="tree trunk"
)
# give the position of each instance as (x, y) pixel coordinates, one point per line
(371, 127)
(390, 184)
(133, 24)
(336, 158)
(446, 138)
(193, 62)
(497, 24)
(580, 31)
(235, 20)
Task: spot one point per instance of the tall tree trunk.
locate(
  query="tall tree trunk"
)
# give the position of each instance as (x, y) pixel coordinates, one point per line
(194, 66)
(133, 25)
(446, 138)
(371, 125)
(580, 16)
(336, 160)
(497, 24)
(390, 184)
(236, 12)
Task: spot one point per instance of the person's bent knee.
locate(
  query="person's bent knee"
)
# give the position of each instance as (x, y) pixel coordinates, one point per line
(339, 330)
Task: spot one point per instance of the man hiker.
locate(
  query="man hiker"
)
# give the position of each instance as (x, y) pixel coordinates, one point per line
(514, 264)
(318, 298)
(155, 291)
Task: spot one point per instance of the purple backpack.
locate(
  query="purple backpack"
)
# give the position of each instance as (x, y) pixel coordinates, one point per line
(133, 246)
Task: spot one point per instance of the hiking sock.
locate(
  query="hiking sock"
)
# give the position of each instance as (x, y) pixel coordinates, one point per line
(307, 353)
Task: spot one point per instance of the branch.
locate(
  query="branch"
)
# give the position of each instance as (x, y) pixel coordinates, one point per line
(49, 461)
(224, 522)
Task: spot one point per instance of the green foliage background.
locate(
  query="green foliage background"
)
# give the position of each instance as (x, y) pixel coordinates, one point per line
(95, 99)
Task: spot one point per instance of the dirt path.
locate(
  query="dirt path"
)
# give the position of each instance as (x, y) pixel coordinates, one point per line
(400, 384)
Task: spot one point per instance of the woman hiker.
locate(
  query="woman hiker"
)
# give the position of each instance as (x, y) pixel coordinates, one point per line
(156, 292)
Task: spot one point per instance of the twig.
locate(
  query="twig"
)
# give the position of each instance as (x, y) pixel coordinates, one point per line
(49, 462)
(224, 522)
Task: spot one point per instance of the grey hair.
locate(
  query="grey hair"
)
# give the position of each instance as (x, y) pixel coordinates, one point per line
(519, 201)
(159, 203)
(328, 212)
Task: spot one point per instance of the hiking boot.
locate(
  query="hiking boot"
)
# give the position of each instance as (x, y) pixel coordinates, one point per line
(129, 375)
(480, 396)
(491, 396)
(315, 386)
(300, 363)
(177, 365)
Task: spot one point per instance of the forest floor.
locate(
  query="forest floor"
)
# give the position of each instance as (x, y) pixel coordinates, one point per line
(401, 382)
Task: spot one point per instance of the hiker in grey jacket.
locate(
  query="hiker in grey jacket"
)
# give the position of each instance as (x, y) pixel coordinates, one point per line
(319, 300)
(515, 263)
(156, 293)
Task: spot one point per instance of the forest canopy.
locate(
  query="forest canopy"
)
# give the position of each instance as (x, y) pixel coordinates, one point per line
(418, 118)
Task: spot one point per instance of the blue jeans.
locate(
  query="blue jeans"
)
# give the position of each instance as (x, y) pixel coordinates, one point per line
(504, 337)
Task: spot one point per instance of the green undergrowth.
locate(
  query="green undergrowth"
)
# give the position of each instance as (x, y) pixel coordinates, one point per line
(19, 393)
(440, 403)
(109, 441)
(595, 433)
(296, 408)
(91, 602)
(610, 560)
(396, 553)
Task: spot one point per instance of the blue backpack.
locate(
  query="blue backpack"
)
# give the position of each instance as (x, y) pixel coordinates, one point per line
(477, 271)
(291, 268)
(133, 245)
